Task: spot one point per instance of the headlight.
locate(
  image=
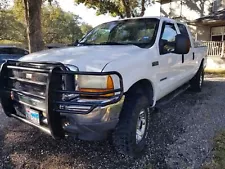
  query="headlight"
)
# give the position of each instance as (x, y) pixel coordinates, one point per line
(91, 83)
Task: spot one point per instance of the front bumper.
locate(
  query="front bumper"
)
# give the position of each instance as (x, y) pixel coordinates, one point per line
(96, 124)
(41, 87)
(92, 126)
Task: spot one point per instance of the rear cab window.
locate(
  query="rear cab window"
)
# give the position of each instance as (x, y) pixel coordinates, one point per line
(183, 30)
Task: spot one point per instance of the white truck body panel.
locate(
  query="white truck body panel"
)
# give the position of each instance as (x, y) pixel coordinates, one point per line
(132, 62)
(86, 58)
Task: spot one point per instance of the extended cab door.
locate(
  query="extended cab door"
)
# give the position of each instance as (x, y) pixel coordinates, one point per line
(189, 59)
(170, 63)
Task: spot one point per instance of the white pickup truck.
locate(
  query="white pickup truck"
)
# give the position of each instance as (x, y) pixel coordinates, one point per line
(106, 84)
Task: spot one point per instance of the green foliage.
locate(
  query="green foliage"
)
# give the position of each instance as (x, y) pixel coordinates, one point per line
(219, 150)
(218, 161)
(102, 6)
(122, 8)
(18, 10)
(11, 28)
(59, 26)
(85, 28)
(9, 42)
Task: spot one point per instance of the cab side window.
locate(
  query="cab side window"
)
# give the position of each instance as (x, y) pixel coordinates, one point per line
(167, 40)
(183, 30)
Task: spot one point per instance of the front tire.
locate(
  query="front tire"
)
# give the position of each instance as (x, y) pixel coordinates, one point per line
(198, 80)
(130, 135)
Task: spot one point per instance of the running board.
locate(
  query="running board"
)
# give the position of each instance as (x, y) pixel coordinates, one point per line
(165, 100)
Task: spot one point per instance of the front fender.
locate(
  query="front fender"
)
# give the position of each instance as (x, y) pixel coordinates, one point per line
(131, 76)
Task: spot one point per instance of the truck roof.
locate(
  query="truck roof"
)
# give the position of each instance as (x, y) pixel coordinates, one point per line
(149, 17)
(157, 17)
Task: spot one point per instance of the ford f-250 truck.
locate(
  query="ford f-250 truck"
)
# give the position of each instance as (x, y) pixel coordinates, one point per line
(106, 84)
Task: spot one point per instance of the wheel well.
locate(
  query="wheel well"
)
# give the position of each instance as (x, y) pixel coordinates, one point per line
(202, 64)
(202, 61)
(143, 86)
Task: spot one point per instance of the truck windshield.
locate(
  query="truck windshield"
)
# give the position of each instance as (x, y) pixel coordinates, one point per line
(140, 32)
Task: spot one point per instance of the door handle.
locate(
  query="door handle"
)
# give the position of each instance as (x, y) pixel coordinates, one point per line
(182, 58)
(156, 63)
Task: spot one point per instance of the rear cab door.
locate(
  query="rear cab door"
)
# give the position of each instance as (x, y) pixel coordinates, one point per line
(170, 63)
(190, 58)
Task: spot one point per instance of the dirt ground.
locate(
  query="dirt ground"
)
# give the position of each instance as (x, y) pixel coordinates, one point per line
(181, 136)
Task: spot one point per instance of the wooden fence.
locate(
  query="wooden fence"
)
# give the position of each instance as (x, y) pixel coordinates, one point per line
(215, 48)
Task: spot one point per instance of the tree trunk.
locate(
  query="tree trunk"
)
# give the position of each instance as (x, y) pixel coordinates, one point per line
(126, 5)
(142, 8)
(33, 20)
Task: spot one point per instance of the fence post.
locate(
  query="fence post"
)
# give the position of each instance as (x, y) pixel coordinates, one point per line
(222, 52)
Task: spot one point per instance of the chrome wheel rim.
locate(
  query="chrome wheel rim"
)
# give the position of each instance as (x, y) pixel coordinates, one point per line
(141, 126)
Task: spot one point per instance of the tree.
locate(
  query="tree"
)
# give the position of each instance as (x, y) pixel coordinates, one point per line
(59, 26)
(31, 14)
(33, 21)
(3, 4)
(122, 8)
(11, 28)
(85, 28)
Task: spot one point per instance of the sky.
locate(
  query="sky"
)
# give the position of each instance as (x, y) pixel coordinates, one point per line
(89, 15)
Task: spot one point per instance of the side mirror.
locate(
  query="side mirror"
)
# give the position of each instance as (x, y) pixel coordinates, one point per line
(182, 45)
(76, 42)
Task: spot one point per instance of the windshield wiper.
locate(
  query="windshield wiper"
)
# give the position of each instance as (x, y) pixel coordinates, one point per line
(113, 43)
(104, 43)
(86, 44)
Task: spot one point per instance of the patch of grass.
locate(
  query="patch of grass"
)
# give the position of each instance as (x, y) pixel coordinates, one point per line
(9, 42)
(218, 161)
(219, 150)
(215, 73)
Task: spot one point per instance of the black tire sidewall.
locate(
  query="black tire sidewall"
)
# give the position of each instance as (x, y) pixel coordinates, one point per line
(127, 126)
(195, 82)
(200, 77)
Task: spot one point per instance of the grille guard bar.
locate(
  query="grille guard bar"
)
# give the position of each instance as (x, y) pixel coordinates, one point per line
(53, 96)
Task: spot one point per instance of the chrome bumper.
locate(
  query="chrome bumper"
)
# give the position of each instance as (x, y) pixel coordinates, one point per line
(100, 120)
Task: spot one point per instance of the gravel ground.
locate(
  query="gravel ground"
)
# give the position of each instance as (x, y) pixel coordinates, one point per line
(181, 137)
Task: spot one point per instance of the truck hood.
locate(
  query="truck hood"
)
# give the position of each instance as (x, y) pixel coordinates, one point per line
(86, 58)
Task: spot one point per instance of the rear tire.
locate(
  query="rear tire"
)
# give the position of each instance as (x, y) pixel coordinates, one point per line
(130, 135)
(198, 80)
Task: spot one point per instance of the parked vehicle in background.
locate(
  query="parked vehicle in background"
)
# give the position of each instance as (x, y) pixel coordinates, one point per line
(107, 84)
(11, 52)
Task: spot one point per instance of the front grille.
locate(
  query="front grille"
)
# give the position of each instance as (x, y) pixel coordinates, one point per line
(50, 89)
(37, 77)
(31, 88)
(24, 82)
